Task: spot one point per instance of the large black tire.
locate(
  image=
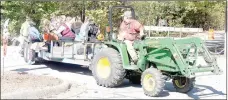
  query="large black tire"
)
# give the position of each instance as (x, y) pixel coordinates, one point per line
(115, 73)
(32, 56)
(152, 75)
(135, 79)
(183, 84)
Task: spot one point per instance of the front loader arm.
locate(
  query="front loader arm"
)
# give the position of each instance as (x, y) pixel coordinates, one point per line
(178, 55)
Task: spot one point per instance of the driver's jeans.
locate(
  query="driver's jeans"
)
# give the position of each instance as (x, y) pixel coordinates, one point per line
(131, 50)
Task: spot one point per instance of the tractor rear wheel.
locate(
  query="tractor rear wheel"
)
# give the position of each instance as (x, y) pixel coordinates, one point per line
(152, 82)
(107, 68)
(183, 84)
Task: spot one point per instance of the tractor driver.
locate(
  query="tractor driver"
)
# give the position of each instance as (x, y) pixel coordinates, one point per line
(130, 30)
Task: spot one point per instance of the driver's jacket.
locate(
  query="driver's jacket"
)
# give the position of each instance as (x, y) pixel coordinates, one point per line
(130, 30)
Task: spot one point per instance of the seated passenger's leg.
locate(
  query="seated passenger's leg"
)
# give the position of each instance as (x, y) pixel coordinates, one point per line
(131, 50)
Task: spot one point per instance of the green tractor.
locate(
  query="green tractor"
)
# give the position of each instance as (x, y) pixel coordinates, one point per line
(159, 60)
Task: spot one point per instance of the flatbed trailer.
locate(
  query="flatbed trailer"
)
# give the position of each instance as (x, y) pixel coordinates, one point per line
(78, 52)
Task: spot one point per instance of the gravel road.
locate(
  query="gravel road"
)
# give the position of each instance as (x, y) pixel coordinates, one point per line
(84, 86)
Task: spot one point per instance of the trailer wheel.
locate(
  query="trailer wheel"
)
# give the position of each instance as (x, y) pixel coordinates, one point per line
(152, 82)
(107, 68)
(183, 84)
(25, 51)
(32, 55)
(29, 54)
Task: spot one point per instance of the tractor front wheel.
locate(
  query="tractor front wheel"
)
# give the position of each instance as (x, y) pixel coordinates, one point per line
(30, 55)
(152, 82)
(183, 84)
(107, 68)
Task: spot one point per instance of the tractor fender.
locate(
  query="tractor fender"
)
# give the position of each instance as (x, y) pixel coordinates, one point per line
(122, 49)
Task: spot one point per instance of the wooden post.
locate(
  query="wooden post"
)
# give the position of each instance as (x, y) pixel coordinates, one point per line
(5, 42)
(168, 31)
(3, 66)
(5, 36)
(180, 33)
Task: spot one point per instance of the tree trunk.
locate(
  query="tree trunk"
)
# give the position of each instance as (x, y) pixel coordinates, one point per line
(82, 12)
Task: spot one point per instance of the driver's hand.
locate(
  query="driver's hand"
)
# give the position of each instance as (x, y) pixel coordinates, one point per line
(142, 37)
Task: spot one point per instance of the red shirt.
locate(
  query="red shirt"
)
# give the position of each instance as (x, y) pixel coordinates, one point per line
(131, 29)
(67, 32)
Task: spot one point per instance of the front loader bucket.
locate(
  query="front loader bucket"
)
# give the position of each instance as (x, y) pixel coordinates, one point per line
(190, 50)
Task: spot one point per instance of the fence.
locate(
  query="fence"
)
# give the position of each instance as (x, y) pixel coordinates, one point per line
(170, 30)
(216, 46)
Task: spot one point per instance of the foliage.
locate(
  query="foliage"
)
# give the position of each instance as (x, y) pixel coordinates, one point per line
(99, 13)
(18, 10)
(203, 14)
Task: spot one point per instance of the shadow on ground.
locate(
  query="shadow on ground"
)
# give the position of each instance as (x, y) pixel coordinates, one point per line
(214, 92)
(65, 67)
(27, 69)
(196, 93)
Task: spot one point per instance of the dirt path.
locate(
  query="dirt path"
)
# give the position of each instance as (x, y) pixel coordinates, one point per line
(15, 82)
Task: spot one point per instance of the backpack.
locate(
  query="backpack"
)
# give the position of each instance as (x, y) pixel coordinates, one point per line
(93, 31)
(34, 34)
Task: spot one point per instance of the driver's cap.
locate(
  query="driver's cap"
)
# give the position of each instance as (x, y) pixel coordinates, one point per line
(127, 14)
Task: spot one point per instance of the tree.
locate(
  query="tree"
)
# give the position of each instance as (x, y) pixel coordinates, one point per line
(203, 14)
